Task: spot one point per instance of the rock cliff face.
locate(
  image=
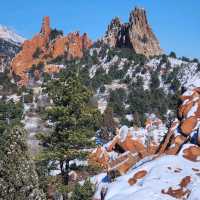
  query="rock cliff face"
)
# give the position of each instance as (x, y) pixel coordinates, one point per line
(42, 49)
(136, 34)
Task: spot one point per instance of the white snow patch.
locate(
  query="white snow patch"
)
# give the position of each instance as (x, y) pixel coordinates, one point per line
(10, 36)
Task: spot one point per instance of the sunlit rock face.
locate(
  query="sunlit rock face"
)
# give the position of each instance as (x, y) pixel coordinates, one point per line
(41, 49)
(136, 34)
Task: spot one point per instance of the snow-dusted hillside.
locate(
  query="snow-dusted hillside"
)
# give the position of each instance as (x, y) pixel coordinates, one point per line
(10, 36)
(161, 174)
(119, 72)
(10, 43)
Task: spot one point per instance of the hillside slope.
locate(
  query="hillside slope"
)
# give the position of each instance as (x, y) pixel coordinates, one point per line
(10, 43)
(167, 177)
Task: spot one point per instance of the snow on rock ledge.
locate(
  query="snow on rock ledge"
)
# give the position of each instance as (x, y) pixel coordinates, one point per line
(162, 173)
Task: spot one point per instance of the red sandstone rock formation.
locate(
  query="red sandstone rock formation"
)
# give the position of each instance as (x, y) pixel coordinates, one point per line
(136, 34)
(180, 132)
(71, 46)
(187, 125)
(192, 153)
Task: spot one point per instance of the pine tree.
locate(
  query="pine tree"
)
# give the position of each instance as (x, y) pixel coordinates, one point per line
(84, 192)
(108, 119)
(136, 119)
(74, 121)
(18, 178)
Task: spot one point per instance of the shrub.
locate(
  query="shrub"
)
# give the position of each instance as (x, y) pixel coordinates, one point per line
(154, 82)
(37, 53)
(40, 66)
(172, 54)
(58, 59)
(102, 89)
(84, 192)
(198, 67)
(175, 84)
(195, 60)
(164, 59)
(114, 73)
(55, 33)
(185, 59)
(95, 59)
(127, 79)
(18, 175)
(28, 98)
(117, 97)
(100, 79)
(125, 121)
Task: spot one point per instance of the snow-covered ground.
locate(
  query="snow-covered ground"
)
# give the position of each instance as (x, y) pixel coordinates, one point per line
(162, 173)
(32, 121)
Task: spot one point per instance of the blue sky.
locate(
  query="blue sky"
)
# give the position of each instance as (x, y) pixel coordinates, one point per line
(175, 22)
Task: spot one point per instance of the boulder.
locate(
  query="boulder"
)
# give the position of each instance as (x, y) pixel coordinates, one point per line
(192, 153)
(188, 125)
(187, 108)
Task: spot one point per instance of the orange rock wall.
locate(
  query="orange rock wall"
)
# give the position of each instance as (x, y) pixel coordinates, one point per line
(72, 46)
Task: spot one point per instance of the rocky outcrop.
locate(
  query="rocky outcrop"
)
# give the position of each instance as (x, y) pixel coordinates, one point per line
(41, 48)
(186, 127)
(136, 34)
(112, 33)
(132, 146)
(72, 46)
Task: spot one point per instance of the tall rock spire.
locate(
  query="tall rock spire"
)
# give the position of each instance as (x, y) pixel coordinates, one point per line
(141, 35)
(46, 30)
(136, 34)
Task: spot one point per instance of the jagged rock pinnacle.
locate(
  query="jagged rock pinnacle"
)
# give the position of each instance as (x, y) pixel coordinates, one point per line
(136, 34)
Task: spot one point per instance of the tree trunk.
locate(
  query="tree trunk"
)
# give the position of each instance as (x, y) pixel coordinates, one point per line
(61, 168)
(66, 174)
(65, 171)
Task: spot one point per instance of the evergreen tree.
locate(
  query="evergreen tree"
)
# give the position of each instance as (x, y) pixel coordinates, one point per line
(10, 114)
(54, 34)
(154, 82)
(172, 54)
(108, 119)
(18, 179)
(74, 121)
(84, 192)
(136, 119)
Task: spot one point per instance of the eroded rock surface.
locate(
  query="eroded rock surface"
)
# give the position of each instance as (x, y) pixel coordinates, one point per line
(136, 34)
(41, 49)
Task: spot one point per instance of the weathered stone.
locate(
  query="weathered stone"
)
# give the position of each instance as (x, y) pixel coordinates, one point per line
(192, 153)
(41, 49)
(188, 125)
(136, 34)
